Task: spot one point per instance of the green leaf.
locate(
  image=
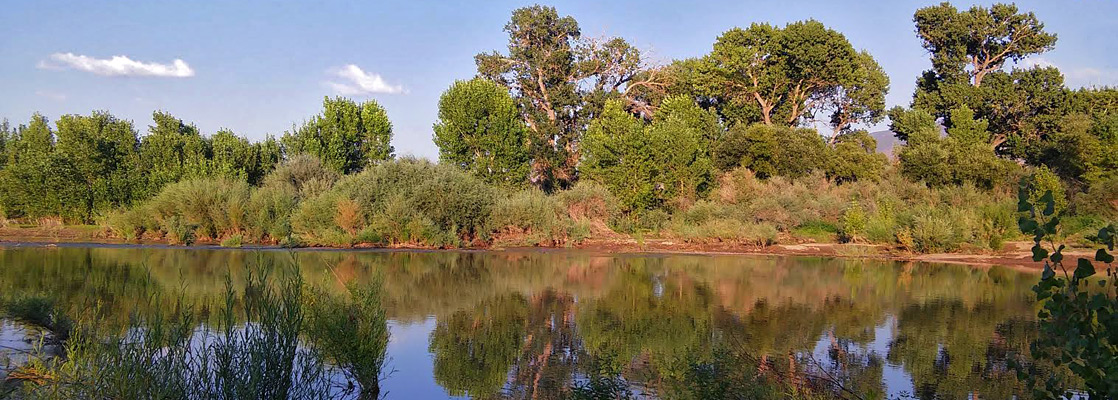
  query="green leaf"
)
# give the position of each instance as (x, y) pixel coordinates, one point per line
(1084, 269)
(1039, 253)
(1049, 203)
(1103, 256)
(1058, 255)
(1027, 225)
(1050, 226)
(1048, 272)
(1023, 202)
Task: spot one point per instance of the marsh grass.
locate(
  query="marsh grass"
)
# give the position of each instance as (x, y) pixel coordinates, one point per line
(261, 344)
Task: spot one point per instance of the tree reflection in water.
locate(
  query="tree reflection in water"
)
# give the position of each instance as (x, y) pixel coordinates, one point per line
(557, 324)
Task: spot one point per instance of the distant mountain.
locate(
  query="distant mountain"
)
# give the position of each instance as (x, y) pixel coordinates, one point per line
(886, 141)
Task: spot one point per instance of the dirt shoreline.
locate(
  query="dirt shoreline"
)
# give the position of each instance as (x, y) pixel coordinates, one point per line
(1015, 254)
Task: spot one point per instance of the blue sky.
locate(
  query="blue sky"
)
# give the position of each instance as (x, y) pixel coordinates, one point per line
(258, 67)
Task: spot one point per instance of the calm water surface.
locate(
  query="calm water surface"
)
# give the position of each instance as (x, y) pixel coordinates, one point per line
(526, 324)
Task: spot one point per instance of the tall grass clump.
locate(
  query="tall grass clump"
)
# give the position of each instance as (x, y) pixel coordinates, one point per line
(591, 205)
(215, 207)
(407, 196)
(528, 217)
(353, 333)
(707, 221)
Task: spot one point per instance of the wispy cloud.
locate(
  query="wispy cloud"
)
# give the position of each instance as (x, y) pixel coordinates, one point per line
(355, 81)
(56, 96)
(1078, 76)
(117, 66)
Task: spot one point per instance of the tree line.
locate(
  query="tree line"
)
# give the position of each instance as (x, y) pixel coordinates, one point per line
(87, 165)
(557, 107)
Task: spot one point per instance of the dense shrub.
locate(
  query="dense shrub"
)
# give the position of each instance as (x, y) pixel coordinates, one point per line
(591, 204)
(423, 195)
(770, 150)
(529, 216)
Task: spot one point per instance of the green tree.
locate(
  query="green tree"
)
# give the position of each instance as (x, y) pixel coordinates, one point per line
(560, 81)
(347, 136)
(649, 165)
(967, 45)
(104, 151)
(480, 130)
(962, 156)
(855, 157)
(232, 156)
(860, 98)
(968, 52)
(771, 150)
(172, 151)
(781, 75)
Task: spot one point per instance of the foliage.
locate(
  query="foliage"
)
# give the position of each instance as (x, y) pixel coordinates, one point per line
(647, 166)
(779, 76)
(560, 81)
(770, 150)
(347, 136)
(962, 157)
(967, 45)
(480, 130)
(1079, 317)
(855, 156)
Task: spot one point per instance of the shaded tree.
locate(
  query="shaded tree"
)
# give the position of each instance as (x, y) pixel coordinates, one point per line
(650, 165)
(480, 130)
(771, 150)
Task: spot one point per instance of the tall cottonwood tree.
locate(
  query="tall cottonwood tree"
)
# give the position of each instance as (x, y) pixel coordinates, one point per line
(968, 45)
(784, 76)
(560, 81)
(969, 50)
(480, 130)
(347, 136)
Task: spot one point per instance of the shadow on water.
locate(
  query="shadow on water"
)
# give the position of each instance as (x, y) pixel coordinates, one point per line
(553, 324)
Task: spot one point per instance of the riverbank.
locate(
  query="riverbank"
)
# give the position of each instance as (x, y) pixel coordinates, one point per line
(1014, 254)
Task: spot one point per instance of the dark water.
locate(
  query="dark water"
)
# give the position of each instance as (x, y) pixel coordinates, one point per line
(532, 324)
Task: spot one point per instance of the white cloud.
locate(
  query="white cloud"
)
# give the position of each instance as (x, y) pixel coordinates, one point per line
(56, 96)
(356, 81)
(1077, 76)
(117, 66)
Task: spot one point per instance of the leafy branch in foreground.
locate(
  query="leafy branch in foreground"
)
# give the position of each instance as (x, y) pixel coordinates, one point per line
(1078, 320)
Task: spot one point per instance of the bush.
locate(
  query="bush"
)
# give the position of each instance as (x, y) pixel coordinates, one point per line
(129, 224)
(1101, 199)
(233, 241)
(592, 204)
(304, 173)
(933, 233)
(531, 214)
(270, 208)
(215, 206)
(853, 223)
